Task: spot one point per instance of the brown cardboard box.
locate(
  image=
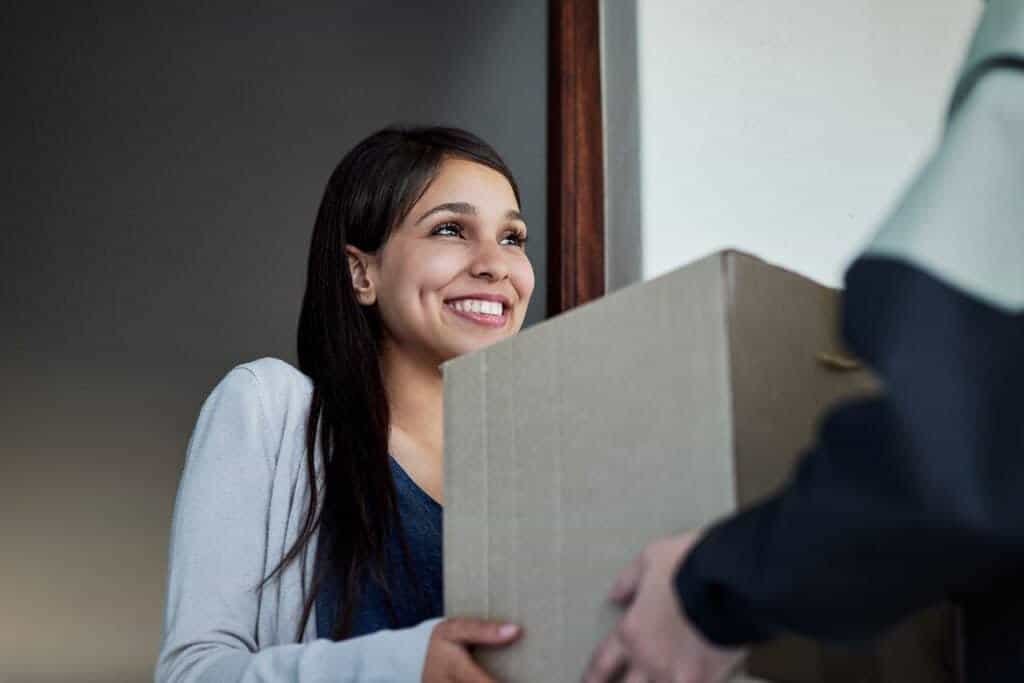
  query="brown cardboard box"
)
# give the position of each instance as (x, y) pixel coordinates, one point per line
(654, 410)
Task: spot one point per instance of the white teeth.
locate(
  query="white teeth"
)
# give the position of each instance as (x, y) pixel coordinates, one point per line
(478, 306)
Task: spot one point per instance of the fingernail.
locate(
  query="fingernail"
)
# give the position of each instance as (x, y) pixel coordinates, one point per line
(508, 630)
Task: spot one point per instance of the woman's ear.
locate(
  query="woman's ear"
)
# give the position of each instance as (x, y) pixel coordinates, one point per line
(361, 267)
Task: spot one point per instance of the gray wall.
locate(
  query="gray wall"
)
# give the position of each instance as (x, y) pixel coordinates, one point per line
(163, 168)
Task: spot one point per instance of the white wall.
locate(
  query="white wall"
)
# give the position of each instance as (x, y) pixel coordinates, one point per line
(780, 127)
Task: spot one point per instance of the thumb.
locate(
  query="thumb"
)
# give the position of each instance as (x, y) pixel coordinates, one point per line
(466, 631)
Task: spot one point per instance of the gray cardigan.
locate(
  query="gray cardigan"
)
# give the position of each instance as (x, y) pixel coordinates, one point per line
(239, 506)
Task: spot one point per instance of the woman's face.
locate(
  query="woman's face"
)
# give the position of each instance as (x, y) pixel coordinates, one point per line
(453, 276)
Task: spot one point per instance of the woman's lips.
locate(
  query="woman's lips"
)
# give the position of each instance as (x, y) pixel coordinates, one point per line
(483, 319)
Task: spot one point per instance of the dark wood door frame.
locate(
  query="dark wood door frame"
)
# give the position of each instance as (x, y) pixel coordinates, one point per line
(576, 272)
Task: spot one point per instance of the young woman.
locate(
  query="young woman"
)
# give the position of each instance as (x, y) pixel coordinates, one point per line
(306, 541)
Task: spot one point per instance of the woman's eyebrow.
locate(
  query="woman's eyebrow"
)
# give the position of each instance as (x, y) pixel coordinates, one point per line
(455, 207)
(467, 209)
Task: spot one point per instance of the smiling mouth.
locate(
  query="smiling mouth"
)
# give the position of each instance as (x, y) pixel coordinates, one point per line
(486, 313)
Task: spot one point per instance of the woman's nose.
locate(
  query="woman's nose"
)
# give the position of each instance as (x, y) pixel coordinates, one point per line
(489, 263)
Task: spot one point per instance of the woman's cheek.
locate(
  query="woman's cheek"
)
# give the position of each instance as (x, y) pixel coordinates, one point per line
(523, 279)
(441, 267)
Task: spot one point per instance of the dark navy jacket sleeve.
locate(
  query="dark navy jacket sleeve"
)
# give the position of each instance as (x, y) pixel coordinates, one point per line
(907, 498)
(916, 495)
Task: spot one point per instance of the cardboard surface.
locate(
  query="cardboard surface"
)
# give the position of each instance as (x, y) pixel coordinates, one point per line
(656, 409)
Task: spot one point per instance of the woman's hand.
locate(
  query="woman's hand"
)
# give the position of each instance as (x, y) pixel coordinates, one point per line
(448, 657)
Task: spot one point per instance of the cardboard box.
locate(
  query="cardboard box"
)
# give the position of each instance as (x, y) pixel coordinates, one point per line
(653, 410)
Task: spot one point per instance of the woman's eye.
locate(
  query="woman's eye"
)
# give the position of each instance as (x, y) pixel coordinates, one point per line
(514, 239)
(448, 230)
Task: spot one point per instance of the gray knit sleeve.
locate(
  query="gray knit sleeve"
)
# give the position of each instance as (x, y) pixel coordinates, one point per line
(218, 550)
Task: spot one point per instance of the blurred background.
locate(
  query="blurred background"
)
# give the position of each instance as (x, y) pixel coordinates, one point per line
(164, 166)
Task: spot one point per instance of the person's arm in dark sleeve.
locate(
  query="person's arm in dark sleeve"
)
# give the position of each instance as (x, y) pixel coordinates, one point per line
(905, 499)
(917, 494)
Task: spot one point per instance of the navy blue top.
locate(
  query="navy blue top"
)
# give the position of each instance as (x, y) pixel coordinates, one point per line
(415, 599)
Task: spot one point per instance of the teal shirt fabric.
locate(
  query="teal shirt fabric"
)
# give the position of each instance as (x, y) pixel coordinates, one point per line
(415, 589)
(962, 219)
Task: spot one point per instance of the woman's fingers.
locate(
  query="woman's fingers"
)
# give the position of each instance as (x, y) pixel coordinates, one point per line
(628, 579)
(635, 676)
(448, 658)
(467, 631)
(607, 662)
(465, 670)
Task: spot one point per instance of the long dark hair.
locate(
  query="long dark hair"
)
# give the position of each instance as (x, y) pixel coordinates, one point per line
(339, 343)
